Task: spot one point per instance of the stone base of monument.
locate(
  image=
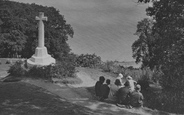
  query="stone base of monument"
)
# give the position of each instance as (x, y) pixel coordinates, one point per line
(41, 58)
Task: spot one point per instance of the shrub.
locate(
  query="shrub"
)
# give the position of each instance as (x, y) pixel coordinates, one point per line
(173, 77)
(107, 66)
(63, 70)
(88, 60)
(17, 69)
(37, 72)
(144, 83)
(9, 61)
(157, 76)
(59, 70)
(110, 66)
(145, 78)
(131, 67)
(166, 100)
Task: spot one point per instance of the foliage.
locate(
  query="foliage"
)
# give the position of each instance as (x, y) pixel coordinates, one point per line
(8, 62)
(145, 47)
(130, 67)
(145, 79)
(166, 52)
(60, 70)
(160, 42)
(64, 68)
(18, 28)
(111, 66)
(88, 60)
(39, 72)
(17, 69)
(12, 43)
(165, 100)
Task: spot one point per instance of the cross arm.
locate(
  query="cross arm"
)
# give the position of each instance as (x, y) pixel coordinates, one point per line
(42, 18)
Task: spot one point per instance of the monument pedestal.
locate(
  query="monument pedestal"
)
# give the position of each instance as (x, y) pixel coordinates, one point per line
(41, 57)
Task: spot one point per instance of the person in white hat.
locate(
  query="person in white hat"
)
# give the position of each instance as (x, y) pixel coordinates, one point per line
(132, 83)
(120, 77)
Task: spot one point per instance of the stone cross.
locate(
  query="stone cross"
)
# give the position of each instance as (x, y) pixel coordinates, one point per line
(41, 33)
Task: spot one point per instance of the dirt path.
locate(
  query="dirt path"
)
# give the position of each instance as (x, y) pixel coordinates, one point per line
(87, 81)
(20, 98)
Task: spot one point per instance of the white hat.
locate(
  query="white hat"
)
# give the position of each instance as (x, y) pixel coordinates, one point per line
(120, 75)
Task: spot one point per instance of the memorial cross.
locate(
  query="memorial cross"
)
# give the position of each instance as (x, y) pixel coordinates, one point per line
(41, 33)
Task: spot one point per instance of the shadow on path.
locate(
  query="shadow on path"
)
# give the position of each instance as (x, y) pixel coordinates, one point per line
(19, 98)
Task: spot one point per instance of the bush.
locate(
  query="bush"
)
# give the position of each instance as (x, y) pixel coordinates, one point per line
(110, 66)
(9, 61)
(173, 77)
(37, 72)
(166, 100)
(144, 83)
(17, 69)
(88, 60)
(62, 69)
(145, 78)
(107, 66)
(59, 70)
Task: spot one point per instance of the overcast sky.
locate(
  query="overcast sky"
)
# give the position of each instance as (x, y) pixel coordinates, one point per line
(103, 27)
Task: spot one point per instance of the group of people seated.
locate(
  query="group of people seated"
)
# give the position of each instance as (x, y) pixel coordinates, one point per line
(128, 93)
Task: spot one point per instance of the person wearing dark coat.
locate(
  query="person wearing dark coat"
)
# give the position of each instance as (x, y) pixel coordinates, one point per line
(105, 90)
(123, 94)
(98, 86)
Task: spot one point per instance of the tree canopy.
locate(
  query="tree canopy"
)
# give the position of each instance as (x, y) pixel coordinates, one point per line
(19, 30)
(161, 40)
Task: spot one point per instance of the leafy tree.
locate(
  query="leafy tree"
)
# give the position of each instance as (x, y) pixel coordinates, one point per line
(19, 30)
(143, 48)
(163, 45)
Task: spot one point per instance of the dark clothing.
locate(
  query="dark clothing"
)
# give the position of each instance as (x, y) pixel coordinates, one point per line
(105, 89)
(123, 95)
(136, 99)
(97, 88)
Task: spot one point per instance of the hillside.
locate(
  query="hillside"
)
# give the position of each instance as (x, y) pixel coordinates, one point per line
(77, 97)
(83, 94)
